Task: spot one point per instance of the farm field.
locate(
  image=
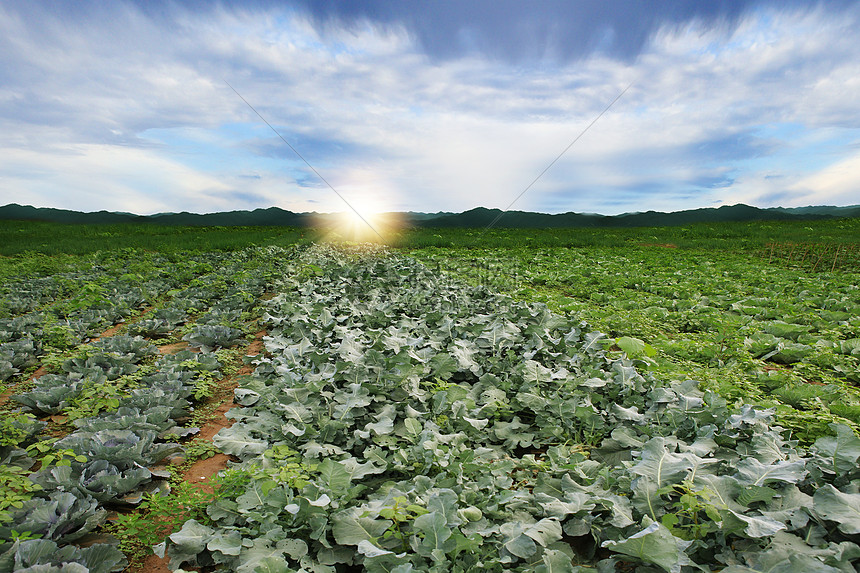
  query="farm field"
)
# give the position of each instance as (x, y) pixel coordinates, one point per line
(629, 400)
(759, 332)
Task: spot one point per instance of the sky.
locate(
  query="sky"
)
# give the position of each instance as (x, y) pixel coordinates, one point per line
(165, 106)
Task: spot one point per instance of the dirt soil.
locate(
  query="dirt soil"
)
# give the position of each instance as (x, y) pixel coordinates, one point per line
(176, 347)
(14, 388)
(109, 332)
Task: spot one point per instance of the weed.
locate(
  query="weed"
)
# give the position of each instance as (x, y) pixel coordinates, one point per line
(199, 450)
(15, 489)
(158, 516)
(286, 466)
(400, 513)
(45, 452)
(695, 514)
(14, 428)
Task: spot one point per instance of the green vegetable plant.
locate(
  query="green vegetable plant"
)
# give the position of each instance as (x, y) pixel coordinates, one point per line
(158, 516)
(88, 295)
(400, 513)
(15, 428)
(57, 335)
(717, 315)
(693, 514)
(401, 419)
(15, 489)
(205, 381)
(284, 465)
(199, 450)
(48, 455)
(93, 399)
(205, 385)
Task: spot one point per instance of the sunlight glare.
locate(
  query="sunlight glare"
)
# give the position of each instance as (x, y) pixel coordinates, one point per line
(371, 224)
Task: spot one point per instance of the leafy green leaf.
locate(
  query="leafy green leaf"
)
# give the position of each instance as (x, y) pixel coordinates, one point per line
(843, 508)
(555, 561)
(228, 544)
(635, 347)
(756, 473)
(189, 541)
(545, 531)
(657, 468)
(237, 441)
(349, 528)
(655, 544)
(334, 476)
(843, 449)
(752, 525)
(521, 545)
(437, 535)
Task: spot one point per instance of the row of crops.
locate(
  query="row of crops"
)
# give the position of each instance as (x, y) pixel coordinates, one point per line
(767, 334)
(815, 256)
(117, 405)
(403, 419)
(406, 422)
(58, 311)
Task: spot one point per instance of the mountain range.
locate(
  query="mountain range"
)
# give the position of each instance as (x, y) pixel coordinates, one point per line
(479, 217)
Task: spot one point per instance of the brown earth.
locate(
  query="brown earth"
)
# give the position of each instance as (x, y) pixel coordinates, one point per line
(116, 327)
(256, 347)
(109, 332)
(4, 396)
(176, 347)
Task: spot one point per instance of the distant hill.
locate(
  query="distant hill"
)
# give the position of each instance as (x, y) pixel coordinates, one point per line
(481, 217)
(475, 218)
(272, 216)
(17, 212)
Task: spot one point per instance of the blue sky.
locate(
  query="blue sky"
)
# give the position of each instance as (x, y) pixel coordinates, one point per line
(428, 106)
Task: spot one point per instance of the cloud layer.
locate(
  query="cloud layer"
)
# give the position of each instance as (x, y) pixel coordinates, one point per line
(124, 106)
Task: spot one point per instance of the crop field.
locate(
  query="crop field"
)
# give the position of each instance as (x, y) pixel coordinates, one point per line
(256, 400)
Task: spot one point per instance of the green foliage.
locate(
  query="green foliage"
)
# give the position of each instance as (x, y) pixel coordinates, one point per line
(754, 237)
(15, 489)
(59, 336)
(205, 381)
(48, 455)
(93, 399)
(158, 516)
(46, 555)
(88, 295)
(15, 428)
(693, 515)
(445, 429)
(199, 450)
(401, 419)
(400, 513)
(31, 240)
(124, 403)
(715, 315)
(284, 465)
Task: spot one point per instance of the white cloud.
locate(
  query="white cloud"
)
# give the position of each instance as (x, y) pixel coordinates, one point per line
(91, 108)
(837, 184)
(114, 178)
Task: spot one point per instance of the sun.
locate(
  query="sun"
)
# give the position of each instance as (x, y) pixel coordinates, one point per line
(371, 223)
(360, 227)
